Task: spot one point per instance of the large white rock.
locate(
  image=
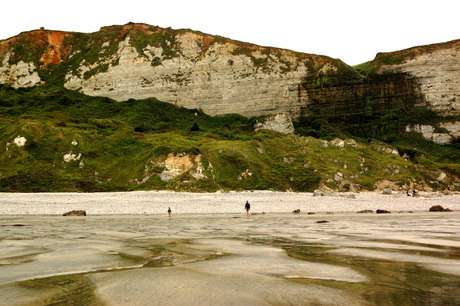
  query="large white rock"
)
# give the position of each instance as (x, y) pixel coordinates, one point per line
(428, 132)
(281, 123)
(18, 75)
(20, 141)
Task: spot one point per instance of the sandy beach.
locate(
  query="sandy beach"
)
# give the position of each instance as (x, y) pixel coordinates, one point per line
(127, 251)
(157, 202)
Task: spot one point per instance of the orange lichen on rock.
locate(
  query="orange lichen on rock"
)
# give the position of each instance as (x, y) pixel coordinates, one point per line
(53, 53)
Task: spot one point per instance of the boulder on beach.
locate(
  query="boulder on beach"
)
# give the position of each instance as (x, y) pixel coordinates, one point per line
(439, 208)
(296, 211)
(383, 211)
(322, 221)
(318, 193)
(75, 213)
(387, 191)
(365, 211)
(436, 208)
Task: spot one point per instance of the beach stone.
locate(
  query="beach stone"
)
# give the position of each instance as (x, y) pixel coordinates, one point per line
(310, 213)
(387, 191)
(318, 193)
(322, 221)
(436, 208)
(383, 211)
(296, 211)
(365, 211)
(75, 213)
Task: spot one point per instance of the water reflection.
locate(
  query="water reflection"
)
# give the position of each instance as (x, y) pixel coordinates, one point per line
(231, 259)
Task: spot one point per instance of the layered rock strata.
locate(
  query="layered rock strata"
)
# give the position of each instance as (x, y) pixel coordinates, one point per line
(222, 76)
(224, 79)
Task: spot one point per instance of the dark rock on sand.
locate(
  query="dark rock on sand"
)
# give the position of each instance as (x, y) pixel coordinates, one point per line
(383, 211)
(296, 211)
(439, 208)
(366, 211)
(322, 221)
(75, 213)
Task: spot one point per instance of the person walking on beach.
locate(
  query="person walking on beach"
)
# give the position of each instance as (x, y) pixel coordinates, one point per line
(169, 211)
(247, 206)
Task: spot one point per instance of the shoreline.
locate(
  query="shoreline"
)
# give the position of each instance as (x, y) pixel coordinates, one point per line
(157, 202)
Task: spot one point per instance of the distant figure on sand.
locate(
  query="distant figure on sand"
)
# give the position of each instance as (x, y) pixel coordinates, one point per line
(413, 193)
(247, 206)
(169, 211)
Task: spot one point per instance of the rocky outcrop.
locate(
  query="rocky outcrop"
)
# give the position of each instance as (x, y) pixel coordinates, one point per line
(280, 123)
(428, 132)
(80, 213)
(177, 164)
(18, 75)
(436, 70)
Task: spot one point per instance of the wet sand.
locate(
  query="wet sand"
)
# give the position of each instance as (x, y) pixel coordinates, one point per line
(231, 259)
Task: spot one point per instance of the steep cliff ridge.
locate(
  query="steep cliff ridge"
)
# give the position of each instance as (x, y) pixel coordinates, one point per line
(221, 76)
(195, 70)
(183, 67)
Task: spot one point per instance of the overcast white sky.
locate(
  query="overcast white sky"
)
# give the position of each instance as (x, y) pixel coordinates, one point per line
(352, 30)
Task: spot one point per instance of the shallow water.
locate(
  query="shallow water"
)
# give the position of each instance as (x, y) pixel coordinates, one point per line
(266, 259)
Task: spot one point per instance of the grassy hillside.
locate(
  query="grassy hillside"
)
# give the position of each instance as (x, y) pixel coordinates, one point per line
(123, 146)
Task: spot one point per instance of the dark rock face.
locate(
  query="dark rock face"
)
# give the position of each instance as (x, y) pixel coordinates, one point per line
(347, 96)
(383, 211)
(75, 213)
(356, 101)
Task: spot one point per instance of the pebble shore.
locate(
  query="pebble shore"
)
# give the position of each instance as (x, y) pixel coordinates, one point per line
(157, 202)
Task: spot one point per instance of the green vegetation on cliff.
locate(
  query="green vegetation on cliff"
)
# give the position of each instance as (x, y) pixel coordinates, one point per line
(123, 146)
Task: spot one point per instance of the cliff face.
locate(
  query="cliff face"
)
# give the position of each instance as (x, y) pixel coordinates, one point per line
(222, 76)
(345, 98)
(218, 81)
(182, 67)
(436, 70)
